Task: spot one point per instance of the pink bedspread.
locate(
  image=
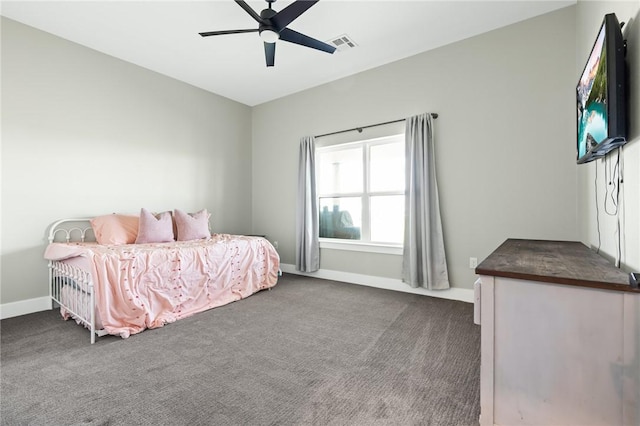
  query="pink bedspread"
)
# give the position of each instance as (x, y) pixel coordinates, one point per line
(142, 286)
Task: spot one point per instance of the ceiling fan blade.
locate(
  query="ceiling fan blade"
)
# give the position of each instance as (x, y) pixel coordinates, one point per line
(303, 40)
(250, 11)
(213, 33)
(291, 12)
(270, 53)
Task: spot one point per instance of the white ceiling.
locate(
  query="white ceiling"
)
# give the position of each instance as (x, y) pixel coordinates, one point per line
(163, 36)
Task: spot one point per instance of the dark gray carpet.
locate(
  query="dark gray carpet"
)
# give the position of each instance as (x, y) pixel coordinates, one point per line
(308, 352)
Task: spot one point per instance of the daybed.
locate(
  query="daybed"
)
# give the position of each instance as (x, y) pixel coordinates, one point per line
(123, 287)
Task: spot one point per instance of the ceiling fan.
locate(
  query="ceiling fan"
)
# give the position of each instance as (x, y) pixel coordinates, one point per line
(272, 26)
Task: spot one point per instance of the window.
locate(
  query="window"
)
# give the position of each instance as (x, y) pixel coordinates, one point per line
(361, 191)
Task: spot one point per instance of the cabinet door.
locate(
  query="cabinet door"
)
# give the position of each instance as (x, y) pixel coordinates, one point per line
(558, 354)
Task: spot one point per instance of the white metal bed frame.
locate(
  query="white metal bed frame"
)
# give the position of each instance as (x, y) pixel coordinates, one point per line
(82, 304)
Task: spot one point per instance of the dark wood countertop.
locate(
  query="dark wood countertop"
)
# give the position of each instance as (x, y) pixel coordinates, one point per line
(558, 262)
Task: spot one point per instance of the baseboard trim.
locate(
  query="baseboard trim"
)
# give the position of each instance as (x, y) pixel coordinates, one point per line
(454, 293)
(24, 307)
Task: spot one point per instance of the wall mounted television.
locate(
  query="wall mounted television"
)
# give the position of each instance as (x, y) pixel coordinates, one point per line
(602, 95)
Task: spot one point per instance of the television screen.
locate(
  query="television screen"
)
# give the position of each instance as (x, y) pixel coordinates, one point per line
(601, 95)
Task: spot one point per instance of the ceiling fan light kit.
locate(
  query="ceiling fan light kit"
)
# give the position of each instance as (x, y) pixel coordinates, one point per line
(269, 36)
(272, 26)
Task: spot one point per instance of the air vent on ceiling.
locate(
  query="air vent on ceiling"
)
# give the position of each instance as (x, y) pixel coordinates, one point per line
(342, 42)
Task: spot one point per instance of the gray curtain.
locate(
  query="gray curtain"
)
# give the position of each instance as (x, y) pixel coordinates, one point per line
(307, 230)
(424, 263)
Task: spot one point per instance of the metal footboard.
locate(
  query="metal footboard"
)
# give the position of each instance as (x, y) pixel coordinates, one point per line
(72, 289)
(70, 286)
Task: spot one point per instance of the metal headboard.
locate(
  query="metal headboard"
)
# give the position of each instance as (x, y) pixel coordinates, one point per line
(73, 230)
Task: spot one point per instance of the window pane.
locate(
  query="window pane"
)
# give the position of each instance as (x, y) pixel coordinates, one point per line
(341, 217)
(340, 172)
(387, 167)
(387, 218)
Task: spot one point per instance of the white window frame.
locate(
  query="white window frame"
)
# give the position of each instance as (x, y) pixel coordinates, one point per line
(362, 245)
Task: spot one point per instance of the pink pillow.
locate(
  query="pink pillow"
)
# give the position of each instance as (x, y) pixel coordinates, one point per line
(115, 228)
(154, 228)
(192, 226)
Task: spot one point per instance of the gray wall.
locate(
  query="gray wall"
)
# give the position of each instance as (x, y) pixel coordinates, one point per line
(589, 18)
(504, 141)
(85, 134)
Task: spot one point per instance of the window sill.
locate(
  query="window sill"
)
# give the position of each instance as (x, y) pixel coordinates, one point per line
(360, 246)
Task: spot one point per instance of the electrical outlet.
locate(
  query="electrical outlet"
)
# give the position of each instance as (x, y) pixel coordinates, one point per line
(473, 262)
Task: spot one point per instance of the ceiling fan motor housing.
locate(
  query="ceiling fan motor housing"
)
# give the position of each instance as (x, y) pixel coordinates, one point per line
(266, 25)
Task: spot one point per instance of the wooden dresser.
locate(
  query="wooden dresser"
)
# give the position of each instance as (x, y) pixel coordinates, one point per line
(560, 337)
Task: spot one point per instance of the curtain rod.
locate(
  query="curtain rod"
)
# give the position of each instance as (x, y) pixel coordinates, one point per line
(359, 129)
